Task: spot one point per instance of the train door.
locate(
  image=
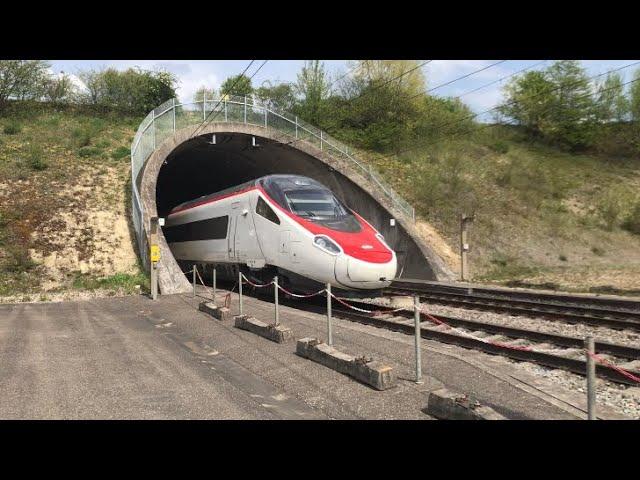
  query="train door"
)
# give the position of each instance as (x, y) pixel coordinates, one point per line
(246, 246)
(233, 221)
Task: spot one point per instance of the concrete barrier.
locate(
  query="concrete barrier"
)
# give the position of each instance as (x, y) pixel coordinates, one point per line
(278, 334)
(447, 405)
(372, 373)
(221, 313)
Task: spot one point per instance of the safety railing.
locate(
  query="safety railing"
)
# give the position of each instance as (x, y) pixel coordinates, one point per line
(172, 115)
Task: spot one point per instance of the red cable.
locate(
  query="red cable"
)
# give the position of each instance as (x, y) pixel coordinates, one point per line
(620, 370)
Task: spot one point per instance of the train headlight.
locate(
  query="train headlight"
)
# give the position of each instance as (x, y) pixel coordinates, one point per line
(325, 243)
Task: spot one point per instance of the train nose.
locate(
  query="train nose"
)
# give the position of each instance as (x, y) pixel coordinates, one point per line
(356, 273)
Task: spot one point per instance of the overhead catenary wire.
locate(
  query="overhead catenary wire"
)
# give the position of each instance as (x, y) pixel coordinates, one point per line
(513, 102)
(500, 79)
(458, 79)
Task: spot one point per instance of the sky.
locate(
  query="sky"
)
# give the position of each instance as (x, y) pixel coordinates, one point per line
(193, 74)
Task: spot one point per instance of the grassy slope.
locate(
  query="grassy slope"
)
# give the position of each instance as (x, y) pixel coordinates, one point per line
(64, 184)
(543, 217)
(540, 213)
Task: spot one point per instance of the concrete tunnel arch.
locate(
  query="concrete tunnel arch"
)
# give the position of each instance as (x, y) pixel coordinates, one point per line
(183, 168)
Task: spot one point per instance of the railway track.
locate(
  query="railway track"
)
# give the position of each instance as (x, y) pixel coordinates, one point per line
(496, 339)
(551, 350)
(612, 313)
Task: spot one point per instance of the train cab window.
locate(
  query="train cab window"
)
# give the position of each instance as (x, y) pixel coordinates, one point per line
(264, 210)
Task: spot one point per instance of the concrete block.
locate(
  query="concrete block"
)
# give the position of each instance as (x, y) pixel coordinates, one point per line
(278, 334)
(208, 307)
(447, 405)
(372, 373)
(221, 313)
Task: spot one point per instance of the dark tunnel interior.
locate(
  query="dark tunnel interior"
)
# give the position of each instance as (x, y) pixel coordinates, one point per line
(199, 167)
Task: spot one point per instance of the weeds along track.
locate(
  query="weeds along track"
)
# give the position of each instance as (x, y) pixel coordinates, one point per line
(608, 312)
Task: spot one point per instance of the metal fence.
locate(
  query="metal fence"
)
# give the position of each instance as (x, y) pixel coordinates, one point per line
(164, 120)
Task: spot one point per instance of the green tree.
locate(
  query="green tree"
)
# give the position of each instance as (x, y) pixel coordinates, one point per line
(612, 104)
(59, 89)
(557, 103)
(202, 93)
(528, 99)
(634, 97)
(312, 89)
(573, 114)
(133, 90)
(382, 105)
(22, 79)
(239, 85)
(281, 95)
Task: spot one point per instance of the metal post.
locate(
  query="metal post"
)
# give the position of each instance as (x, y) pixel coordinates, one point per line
(225, 110)
(416, 318)
(296, 126)
(214, 283)
(265, 116)
(245, 109)
(194, 281)
(320, 139)
(153, 122)
(591, 379)
(204, 105)
(464, 246)
(275, 285)
(174, 115)
(153, 256)
(240, 289)
(329, 327)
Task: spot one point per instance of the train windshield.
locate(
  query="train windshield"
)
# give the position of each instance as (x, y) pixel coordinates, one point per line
(321, 206)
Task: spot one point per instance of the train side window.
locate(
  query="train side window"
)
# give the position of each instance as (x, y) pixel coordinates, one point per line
(264, 210)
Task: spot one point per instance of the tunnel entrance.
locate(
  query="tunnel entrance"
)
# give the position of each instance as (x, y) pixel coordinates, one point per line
(208, 163)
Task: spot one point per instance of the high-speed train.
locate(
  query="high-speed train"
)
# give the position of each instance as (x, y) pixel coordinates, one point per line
(288, 225)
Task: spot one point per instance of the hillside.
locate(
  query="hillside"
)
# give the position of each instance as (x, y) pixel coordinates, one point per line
(64, 196)
(544, 217)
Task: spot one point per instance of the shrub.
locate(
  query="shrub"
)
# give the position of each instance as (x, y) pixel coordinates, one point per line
(632, 222)
(19, 260)
(12, 128)
(82, 136)
(562, 258)
(597, 251)
(609, 209)
(120, 152)
(499, 147)
(35, 160)
(86, 152)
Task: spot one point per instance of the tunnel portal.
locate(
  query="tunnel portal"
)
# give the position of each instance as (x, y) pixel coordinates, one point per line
(185, 168)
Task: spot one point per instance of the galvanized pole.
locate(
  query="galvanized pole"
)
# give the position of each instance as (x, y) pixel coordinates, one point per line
(275, 285)
(265, 116)
(416, 318)
(591, 379)
(329, 327)
(225, 110)
(245, 109)
(194, 281)
(296, 126)
(174, 115)
(214, 283)
(464, 246)
(320, 139)
(154, 250)
(153, 123)
(240, 289)
(204, 103)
